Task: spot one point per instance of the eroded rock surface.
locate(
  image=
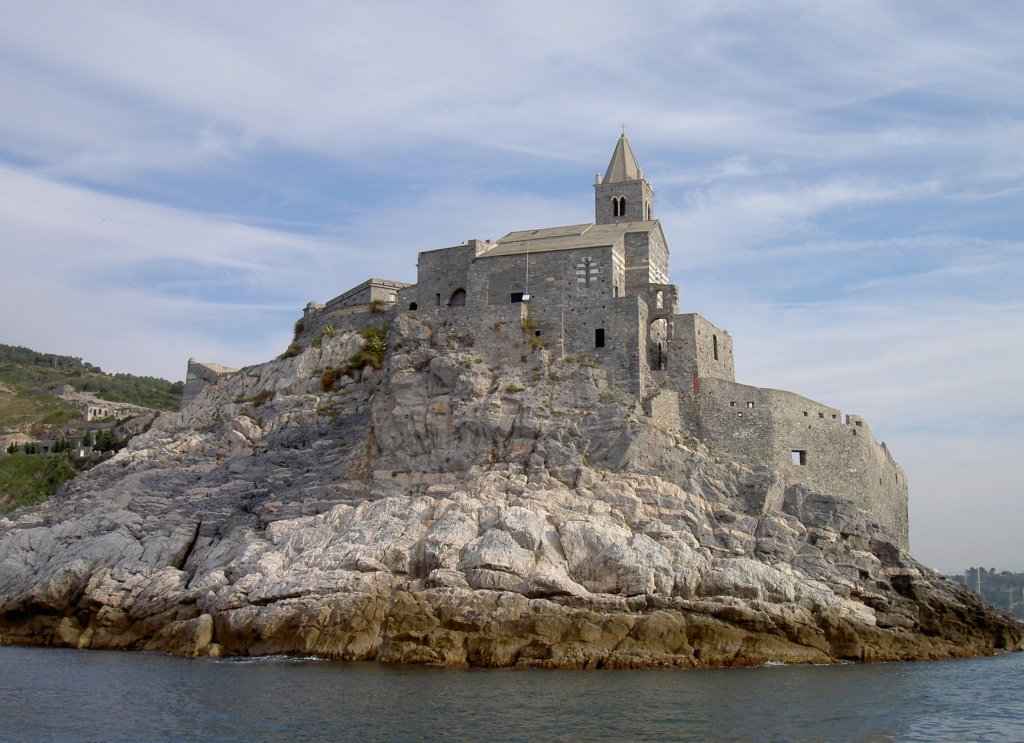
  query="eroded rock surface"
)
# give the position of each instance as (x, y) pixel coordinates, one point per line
(447, 509)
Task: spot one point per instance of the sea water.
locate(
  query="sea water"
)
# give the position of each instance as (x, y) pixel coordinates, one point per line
(62, 695)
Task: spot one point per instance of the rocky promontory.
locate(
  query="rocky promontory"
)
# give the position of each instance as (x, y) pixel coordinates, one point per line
(457, 506)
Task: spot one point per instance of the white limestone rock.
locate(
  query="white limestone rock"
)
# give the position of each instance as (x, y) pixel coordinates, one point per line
(427, 513)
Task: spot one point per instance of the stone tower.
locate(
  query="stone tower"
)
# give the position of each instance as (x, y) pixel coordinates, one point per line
(623, 195)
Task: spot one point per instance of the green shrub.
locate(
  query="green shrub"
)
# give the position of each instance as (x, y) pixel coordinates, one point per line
(294, 349)
(329, 378)
(299, 327)
(373, 353)
(514, 388)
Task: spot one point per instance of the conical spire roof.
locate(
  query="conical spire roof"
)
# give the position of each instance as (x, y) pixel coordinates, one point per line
(623, 165)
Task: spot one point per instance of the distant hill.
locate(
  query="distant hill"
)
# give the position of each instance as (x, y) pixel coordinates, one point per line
(25, 368)
(45, 439)
(1003, 589)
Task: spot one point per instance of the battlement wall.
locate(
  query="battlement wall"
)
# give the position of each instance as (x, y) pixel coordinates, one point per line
(807, 442)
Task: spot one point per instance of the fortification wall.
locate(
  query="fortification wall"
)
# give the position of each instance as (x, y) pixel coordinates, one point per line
(197, 376)
(440, 275)
(698, 346)
(806, 442)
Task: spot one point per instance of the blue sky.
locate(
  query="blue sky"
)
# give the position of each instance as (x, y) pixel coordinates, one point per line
(841, 184)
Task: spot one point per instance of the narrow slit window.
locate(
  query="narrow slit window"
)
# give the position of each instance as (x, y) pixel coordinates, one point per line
(714, 346)
(599, 337)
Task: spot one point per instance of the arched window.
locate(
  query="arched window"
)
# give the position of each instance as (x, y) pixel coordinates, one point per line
(647, 210)
(458, 298)
(615, 206)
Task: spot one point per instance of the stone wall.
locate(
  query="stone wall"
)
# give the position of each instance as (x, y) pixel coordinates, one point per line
(198, 375)
(699, 347)
(808, 443)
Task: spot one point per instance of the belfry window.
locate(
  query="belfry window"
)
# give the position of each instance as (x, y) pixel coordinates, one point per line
(618, 206)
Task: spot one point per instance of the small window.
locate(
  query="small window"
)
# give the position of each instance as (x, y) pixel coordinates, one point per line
(412, 306)
(821, 415)
(805, 414)
(438, 297)
(732, 404)
(750, 405)
(599, 337)
(537, 333)
(714, 346)
(799, 457)
(517, 297)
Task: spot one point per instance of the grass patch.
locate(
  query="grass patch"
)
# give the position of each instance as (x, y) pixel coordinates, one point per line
(30, 479)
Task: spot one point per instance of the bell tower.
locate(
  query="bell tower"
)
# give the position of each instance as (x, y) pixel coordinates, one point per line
(623, 195)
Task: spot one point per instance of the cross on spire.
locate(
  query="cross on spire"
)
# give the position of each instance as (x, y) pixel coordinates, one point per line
(623, 127)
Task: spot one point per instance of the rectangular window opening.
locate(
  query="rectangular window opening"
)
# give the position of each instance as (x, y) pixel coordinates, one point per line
(599, 337)
(517, 297)
(714, 346)
(799, 457)
(750, 404)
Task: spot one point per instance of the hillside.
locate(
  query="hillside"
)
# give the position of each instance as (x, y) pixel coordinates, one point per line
(462, 505)
(45, 437)
(26, 369)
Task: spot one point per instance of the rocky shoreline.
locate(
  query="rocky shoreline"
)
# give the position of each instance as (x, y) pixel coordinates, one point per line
(447, 509)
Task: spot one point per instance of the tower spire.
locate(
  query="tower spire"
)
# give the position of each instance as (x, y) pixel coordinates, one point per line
(623, 195)
(623, 165)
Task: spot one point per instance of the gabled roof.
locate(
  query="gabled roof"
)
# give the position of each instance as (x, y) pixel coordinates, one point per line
(623, 165)
(570, 237)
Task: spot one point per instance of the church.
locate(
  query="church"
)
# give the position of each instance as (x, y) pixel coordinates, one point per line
(600, 292)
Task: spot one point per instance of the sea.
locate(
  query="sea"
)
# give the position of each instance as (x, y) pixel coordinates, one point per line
(78, 695)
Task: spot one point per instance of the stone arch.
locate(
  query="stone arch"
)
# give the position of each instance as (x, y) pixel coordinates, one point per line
(458, 298)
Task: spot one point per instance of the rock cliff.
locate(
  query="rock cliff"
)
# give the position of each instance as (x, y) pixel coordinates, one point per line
(460, 507)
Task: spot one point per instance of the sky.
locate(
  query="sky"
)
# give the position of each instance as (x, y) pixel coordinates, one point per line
(841, 185)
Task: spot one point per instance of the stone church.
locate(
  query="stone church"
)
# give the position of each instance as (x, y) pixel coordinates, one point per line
(601, 291)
